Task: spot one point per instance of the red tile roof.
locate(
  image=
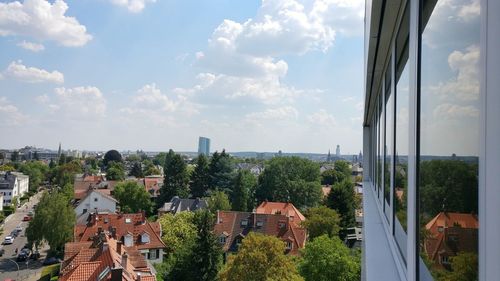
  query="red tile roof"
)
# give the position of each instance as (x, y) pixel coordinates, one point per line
(236, 225)
(449, 234)
(287, 209)
(121, 224)
(100, 258)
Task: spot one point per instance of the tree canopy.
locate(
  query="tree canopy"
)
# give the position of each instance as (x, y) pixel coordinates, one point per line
(200, 178)
(218, 201)
(221, 169)
(332, 176)
(115, 171)
(328, 259)
(341, 199)
(53, 222)
(133, 197)
(112, 156)
(136, 170)
(178, 231)
(242, 195)
(176, 178)
(290, 179)
(321, 221)
(37, 172)
(342, 167)
(260, 258)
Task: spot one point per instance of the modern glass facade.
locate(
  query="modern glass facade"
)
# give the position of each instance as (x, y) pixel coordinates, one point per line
(430, 139)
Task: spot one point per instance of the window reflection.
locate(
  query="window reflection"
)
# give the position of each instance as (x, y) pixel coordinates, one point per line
(449, 128)
(389, 112)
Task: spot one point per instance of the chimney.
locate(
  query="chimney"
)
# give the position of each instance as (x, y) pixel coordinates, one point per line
(104, 246)
(124, 260)
(138, 276)
(143, 213)
(113, 232)
(119, 247)
(117, 274)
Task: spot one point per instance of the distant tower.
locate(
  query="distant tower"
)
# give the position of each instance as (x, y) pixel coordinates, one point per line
(360, 157)
(204, 146)
(329, 157)
(59, 151)
(337, 152)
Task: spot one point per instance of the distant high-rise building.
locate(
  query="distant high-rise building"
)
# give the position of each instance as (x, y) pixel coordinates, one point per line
(204, 146)
(59, 151)
(337, 151)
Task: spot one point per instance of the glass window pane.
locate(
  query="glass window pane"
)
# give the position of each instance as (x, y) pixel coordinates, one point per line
(449, 140)
(389, 128)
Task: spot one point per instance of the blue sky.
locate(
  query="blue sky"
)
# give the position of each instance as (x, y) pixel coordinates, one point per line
(153, 75)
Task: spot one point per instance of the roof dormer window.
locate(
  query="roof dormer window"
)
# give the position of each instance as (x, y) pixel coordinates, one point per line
(128, 240)
(145, 238)
(289, 245)
(128, 220)
(244, 222)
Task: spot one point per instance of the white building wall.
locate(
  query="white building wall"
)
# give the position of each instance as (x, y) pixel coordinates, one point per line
(93, 201)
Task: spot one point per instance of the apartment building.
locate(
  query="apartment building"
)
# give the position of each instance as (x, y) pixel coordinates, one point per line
(430, 140)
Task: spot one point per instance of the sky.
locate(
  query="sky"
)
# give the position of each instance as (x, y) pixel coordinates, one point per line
(154, 74)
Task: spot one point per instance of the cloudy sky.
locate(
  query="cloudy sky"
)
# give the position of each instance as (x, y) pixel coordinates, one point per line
(156, 74)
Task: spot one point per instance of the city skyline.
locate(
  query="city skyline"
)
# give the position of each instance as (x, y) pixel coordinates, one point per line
(263, 76)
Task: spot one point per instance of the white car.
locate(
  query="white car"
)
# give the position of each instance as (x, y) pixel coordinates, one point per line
(19, 228)
(8, 240)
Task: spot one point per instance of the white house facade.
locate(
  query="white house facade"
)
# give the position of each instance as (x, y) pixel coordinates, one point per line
(96, 200)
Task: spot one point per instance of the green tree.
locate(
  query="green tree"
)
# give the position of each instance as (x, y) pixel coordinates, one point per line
(178, 231)
(14, 156)
(37, 171)
(53, 222)
(343, 168)
(290, 179)
(7, 168)
(260, 258)
(205, 257)
(159, 159)
(112, 156)
(221, 169)
(65, 173)
(176, 179)
(321, 221)
(464, 267)
(200, 178)
(448, 185)
(133, 197)
(244, 183)
(62, 159)
(332, 176)
(136, 170)
(218, 201)
(341, 199)
(150, 168)
(328, 259)
(115, 171)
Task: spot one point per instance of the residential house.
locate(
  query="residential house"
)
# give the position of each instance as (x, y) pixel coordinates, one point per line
(13, 184)
(96, 200)
(133, 230)
(152, 184)
(104, 258)
(281, 208)
(255, 169)
(232, 227)
(177, 205)
(83, 183)
(448, 234)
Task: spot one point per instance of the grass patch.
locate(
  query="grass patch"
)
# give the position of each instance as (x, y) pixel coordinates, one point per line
(50, 272)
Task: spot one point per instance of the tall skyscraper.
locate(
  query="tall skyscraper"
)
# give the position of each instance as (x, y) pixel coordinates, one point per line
(337, 152)
(204, 146)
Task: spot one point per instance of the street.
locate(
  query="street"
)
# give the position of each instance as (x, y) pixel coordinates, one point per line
(9, 268)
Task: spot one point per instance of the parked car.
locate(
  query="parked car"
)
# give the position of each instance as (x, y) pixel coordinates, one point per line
(22, 257)
(2, 251)
(30, 213)
(13, 233)
(51, 260)
(8, 240)
(26, 218)
(19, 228)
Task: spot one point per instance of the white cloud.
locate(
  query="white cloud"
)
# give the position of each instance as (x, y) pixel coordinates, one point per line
(453, 111)
(42, 99)
(27, 74)
(30, 46)
(134, 6)
(159, 108)
(465, 85)
(81, 103)
(273, 115)
(322, 117)
(10, 114)
(42, 20)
